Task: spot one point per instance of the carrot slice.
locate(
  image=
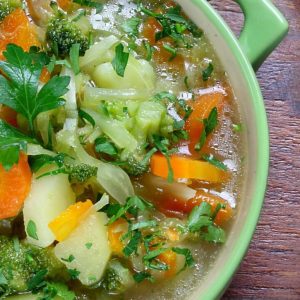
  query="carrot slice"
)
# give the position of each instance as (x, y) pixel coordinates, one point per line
(184, 167)
(14, 188)
(115, 231)
(17, 29)
(68, 220)
(202, 106)
(170, 259)
(64, 4)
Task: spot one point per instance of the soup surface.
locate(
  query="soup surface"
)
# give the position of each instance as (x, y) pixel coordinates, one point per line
(120, 151)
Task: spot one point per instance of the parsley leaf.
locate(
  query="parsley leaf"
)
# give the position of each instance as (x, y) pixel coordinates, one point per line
(31, 230)
(209, 125)
(85, 116)
(214, 161)
(88, 245)
(131, 26)
(98, 6)
(20, 88)
(69, 259)
(189, 260)
(37, 281)
(120, 60)
(199, 217)
(214, 234)
(74, 273)
(132, 245)
(141, 276)
(54, 289)
(12, 141)
(103, 145)
(206, 73)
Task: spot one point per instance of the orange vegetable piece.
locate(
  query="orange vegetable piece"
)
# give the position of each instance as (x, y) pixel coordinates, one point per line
(184, 167)
(8, 115)
(45, 75)
(161, 55)
(170, 259)
(202, 106)
(172, 235)
(14, 188)
(17, 29)
(224, 214)
(68, 220)
(64, 4)
(115, 231)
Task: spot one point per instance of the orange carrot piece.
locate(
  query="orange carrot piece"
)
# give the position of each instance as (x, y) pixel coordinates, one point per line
(64, 4)
(115, 231)
(170, 259)
(202, 106)
(14, 187)
(184, 167)
(17, 29)
(45, 75)
(68, 220)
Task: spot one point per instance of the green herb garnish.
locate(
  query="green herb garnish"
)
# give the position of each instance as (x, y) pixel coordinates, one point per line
(120, 61)
(206, 73)
(31, 230)
(214, 161)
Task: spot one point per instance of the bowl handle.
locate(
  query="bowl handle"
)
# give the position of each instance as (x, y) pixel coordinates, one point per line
(264, 28)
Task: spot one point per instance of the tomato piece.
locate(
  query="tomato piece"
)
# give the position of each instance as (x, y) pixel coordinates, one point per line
(8, 115)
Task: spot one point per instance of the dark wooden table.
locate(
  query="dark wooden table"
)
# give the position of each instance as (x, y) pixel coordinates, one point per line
(271, 269)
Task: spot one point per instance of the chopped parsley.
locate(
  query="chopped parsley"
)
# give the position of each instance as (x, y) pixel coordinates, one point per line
(74, 273)
(141, 276)
(120, 60)
(85, 116)
(132, 245)
(93, 4)
(131, 26)
(37, 281)
(209, 125)
(214, 161)
(69, 259)
(31, 230)
(206, 73)
(189, 260)
(103, 145)
(171, 50)
(88, 245)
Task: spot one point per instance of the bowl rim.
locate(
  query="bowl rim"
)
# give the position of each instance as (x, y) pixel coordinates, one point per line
(229, 268)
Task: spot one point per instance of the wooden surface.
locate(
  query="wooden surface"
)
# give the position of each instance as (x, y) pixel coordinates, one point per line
(271, 269)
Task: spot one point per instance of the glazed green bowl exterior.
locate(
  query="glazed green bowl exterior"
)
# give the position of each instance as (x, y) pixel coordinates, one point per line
(264, 28)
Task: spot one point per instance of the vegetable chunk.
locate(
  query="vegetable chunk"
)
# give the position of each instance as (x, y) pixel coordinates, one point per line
(14, 187)
(49, 197)
(88, 246)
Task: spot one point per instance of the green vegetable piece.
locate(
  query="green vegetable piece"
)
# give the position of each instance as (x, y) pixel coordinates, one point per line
(27, 265)
(189, 260)
(74, 273)
(206, 73)
(20, 88)
(132, 246)
(141, 276)
(88, 245)
(103, 145)
(74, 58)
(171, 50)
(120, 61)
(12, 141)
(209, 125)
(53, 289)
(98, 6)
(85, 116)
(214, 161)
(31, 230)
(131, 26)
(63, 33)
(8, 6)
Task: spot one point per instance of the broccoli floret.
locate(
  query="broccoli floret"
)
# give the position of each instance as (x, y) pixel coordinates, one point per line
(19, 262)
(62, 33)
(7, 6)
(81, 172)
(117, 278)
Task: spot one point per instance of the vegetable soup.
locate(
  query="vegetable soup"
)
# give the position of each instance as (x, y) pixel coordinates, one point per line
(121, 151)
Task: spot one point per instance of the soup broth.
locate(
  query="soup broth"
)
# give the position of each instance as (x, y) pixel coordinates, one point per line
(121, 150)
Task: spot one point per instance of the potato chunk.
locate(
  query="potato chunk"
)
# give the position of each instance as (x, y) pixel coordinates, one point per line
(87, 249)
(48, 197)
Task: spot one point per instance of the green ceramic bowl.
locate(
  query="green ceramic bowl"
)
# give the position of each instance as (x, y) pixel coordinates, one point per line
(264, 28)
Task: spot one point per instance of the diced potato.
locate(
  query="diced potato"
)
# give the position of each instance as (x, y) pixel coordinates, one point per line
(97, 54)
(139, 74)
(88, 248)
(49, 196)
